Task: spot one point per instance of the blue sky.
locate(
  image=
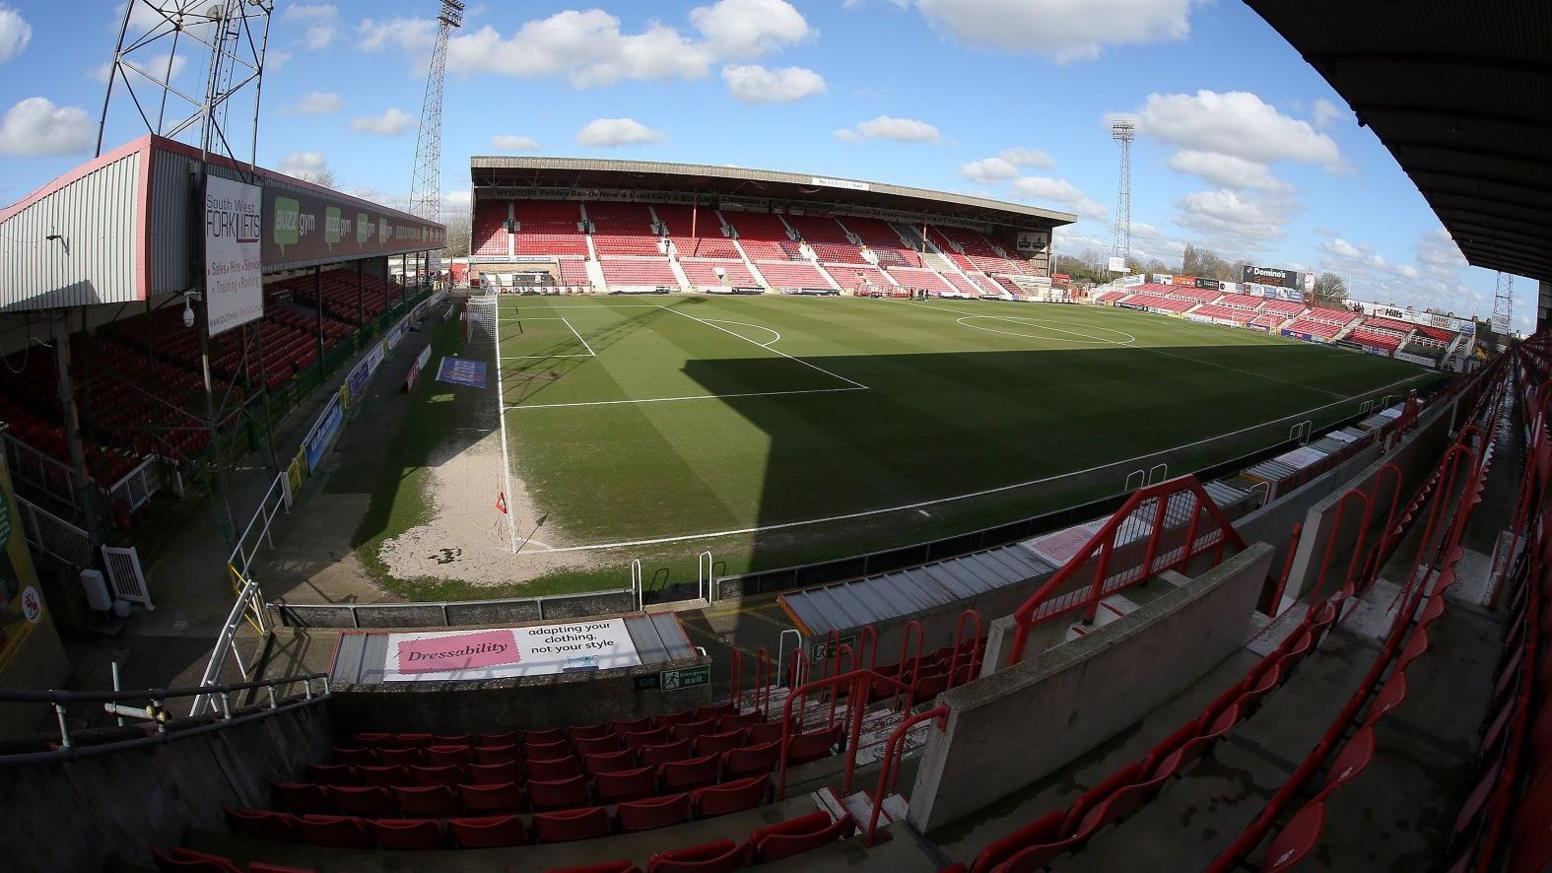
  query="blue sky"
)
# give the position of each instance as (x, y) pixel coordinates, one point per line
(1243, 148)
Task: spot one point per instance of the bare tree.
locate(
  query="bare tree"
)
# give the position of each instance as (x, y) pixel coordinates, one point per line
(1330, 290)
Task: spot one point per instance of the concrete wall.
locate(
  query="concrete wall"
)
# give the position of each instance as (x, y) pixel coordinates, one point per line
(1007, 730)
(1415, 456)
(532, 702)
(102, 811)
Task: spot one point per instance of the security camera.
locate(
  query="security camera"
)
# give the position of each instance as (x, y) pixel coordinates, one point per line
(188, 313)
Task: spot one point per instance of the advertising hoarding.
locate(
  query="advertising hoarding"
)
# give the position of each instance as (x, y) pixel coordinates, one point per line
(234, 286)
(540, 650)
(1272, 276)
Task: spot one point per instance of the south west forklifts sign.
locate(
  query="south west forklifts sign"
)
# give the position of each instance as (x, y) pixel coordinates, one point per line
(538, 650)
(234, 232)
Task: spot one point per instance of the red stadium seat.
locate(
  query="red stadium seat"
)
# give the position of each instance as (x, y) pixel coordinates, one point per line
(439, 755)
(1262, 685)
(813, 745)
(482, 800)
(301, 797)
(658, 812)
(371, 738)
(455, 739)
(609, 762)
(1350, 762)
(510, 738)
(621, 785)
(1296, 840)
(488, 832)
(415, 740)
(1185, 732)
(655, 755)
(1391, 695)
(176, 860)
(494, 774)
(632, 726)
(596, 745)
(258, 867)
(717, 743)
(339, 831)
(549, 750)
(688, 729)
(386, 775)
(368, 801)
(591, 731)
(409, 833)
(1040, 831)
(403, 756)
(425, 801)
(715, 711)
(722, 856)
(748, 760)
(769, 731)
(732, 796)
(602, 867)
(1099, 793)
(548, 735)
(561, 768)
(355, 754)
(262, 823)
(669, 719)
(689, 773)
(653, 737)
(557, 793)
(574, 824)
(737, 722)
(796, 836)
(501, 754)
(444, 774)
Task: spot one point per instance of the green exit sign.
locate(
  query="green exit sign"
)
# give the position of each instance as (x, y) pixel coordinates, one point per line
(686, 677)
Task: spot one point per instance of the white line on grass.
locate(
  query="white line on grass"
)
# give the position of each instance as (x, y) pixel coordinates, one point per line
(574, 333)
(755, 326)
(767, 348)
(506, 459)
(522, 406)
(958, 497)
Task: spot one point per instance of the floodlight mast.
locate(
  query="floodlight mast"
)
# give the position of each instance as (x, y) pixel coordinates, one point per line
(1123, 131)
(426, 183)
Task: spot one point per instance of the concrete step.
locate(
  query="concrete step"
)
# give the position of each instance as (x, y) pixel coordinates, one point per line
(1111, 609)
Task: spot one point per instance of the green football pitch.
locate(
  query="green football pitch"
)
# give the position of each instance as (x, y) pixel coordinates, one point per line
(776, 431)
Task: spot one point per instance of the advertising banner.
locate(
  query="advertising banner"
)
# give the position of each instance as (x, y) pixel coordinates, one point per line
(1272, 276)
(21, 604)
(356, 382)
(416, 367)
(1415, 359)
(462, 371)
(499, 653)
(317, 442)
(234, 288)
(1033, 242)
(1182, 281)
(308, 225)
(1209, 284)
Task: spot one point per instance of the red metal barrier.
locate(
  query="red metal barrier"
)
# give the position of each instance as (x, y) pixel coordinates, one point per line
(1282, 581)
(1336, 529)
(905, 638)
(975, 648)
(1154, 501)
(889, 767)
(856, 683)
(763, 680)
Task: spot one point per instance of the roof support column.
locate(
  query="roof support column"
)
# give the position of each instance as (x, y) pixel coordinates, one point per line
(318, 315)
(81, 483)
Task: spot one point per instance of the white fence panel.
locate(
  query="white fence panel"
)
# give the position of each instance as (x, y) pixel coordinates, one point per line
(52, 535)
(125, 577)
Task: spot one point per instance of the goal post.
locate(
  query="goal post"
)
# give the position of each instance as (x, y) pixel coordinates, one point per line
(479, 321)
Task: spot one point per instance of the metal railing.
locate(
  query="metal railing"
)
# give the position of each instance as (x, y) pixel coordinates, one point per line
(53, 535)
(452, 613)
(138, 485)
(256, 533)
(151, 707)
(249, 606)
(40, 471)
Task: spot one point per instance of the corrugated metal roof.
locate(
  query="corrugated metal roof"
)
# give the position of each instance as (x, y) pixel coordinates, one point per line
(1461, 94)
(714, 180)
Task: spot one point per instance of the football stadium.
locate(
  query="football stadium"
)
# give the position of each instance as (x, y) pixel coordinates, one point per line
(605, 515)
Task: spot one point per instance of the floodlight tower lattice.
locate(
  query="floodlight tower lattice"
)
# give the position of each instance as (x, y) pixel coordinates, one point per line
(426, 184)
(158, 38)
(1124, 132)
(1503, 304)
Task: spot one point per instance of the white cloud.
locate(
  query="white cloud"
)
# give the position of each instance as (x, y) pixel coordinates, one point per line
(309, 166)
(1061, 30)
(614, 132)
(15, 33)
(1060, 191)
(511, 143)
(36, 126)
(153, 67)
(749, 28)
(413, 36)
(391, 123)
(888, 127)
(1005, 166)
(318, 103)
(1434, 281)
(1226, 170)
(1234, 218)
(751, 83)
(1326, 112)
(1235, 123)
(589, 48)
(322, 20)
(989, 170)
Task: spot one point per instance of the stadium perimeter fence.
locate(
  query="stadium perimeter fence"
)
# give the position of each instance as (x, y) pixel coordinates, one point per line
(613, 601)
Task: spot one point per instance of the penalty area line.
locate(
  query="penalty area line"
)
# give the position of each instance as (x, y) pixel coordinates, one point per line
(766, 347)
(521, 407)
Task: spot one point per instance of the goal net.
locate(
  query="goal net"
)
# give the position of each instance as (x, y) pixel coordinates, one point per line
(479, 321)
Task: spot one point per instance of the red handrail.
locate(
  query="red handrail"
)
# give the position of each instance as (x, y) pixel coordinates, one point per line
(921, 643)
(856, 698)
(1382, 547)
(868, 634)
(1103, 541)
(1282, 581)
(1336, 529)
(975, 648)
(763, 680)
(736, 677)
(890, 761)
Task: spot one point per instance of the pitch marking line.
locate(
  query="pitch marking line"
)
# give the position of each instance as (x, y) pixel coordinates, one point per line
(967, 496)
(755, 326)
(766, 347)
(560, 318)
(1041, 325)
(686, 397)
(506, 459)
